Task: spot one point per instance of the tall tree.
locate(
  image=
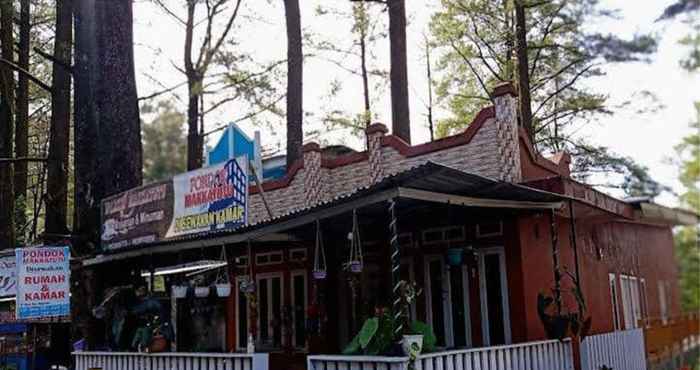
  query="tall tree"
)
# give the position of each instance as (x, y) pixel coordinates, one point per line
(108, 154)
(22, 106)
(7, 94)
(196, 67)
(57, 180)
(295, 90)
(400, 118)
(484, 40)
(164, 142)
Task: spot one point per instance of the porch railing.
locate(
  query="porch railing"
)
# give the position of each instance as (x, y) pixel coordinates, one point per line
(672, 339)
(616, 350)
(551, 355)
(169, 361)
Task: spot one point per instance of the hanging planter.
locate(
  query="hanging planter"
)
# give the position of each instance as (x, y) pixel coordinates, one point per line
(223, 286)
(455, 256)
(247, 286)
(201, 291)
(319, 271)
(179, 291)
(355, 264)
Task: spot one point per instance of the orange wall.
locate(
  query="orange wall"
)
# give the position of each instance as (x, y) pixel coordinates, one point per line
(639, 250)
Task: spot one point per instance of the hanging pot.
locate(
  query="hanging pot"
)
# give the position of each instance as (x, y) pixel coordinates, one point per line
(455, 256)
(201, 291)
(412, 345)
(355, 266)
(247, 286)
(179, 291)
(319, 274)
(223, 290)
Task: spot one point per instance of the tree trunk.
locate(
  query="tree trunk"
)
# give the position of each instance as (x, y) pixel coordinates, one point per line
(22, 109)
(120, 152)
(401, 123)
(523, 66)
(57, 181)
(195, 148)
(7, 92)
(88, 185)
(295, 67)
(367, 114)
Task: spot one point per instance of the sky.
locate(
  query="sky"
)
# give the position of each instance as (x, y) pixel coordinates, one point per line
(649, 138)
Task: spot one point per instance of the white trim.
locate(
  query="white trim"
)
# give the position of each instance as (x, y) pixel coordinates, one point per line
(467, 306)
(269, 262)
(296, 250)
(292, 275)
(483, 294)
(487, 235)
(614, 301)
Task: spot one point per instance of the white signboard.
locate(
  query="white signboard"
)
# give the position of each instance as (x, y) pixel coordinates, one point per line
(210, 198)
(8, 276)
(43, 282)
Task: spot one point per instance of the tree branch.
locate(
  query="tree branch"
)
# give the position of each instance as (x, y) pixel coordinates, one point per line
(161, 92)
(52, 59)
(476, 74)
(23, 71)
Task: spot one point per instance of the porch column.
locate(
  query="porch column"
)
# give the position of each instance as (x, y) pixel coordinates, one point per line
(395, 267)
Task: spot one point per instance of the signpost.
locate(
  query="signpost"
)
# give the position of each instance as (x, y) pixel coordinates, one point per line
(208, 199)
(43, 282)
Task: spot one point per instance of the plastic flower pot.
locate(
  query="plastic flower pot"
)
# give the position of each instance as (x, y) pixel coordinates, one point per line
(223, 290)
(356, 266)
(455, 256)
(179, 291)
(412, 345)
(319, 274)
(201, 291)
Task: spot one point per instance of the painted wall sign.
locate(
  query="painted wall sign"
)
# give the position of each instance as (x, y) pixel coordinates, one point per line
(207, 199)
(43, 282)
(8, 276)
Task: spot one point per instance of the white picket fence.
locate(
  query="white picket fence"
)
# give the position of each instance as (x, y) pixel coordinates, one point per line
(169, 361)
(550, 355)
(620, 350)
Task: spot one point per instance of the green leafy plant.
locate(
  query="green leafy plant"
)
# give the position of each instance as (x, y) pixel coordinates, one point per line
(375, 337)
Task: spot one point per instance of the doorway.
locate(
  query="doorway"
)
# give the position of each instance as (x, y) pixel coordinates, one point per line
(493, 291)
(447, 302)
(270, 310)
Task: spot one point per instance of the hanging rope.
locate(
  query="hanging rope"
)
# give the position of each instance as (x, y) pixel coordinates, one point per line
(319, 270)
(356, 259)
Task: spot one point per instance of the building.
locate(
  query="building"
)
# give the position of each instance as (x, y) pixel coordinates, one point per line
(479, 220)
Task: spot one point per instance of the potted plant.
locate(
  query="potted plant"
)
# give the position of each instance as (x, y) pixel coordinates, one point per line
(179, 291)
(201, 291)
(375, 337)
(413, 333)
(559, 321)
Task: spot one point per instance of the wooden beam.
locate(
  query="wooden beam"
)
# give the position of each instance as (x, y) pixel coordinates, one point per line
(23, 159)
(431, 196)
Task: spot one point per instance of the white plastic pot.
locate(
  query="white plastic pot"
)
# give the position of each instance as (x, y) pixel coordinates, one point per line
(179, 291)
(319, 274)
(412, 345)
(223, 290)
(201, 292)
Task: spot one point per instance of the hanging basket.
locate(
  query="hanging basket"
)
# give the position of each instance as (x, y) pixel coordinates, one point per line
(355, 266)
(319, 271)
(455, 256)
(201, 291)
(223, 290)
(179, 291)
(247, 286)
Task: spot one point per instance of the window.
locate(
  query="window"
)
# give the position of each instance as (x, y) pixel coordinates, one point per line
(272, 258)
(242, 261)
(645, 302)
(489, 229)
(297, 255)
(299, 308)
(443, 234)
(631, 307)
(270, 292)
(614, 301)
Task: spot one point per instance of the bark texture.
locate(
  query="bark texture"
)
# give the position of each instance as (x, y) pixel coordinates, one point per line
(7, 99)
(295, 91)
(523, 65)
(22, 107)
(400, 118)
(57, 180)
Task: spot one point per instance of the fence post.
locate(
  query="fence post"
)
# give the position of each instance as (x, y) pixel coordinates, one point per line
(260, 361)
(580, 358)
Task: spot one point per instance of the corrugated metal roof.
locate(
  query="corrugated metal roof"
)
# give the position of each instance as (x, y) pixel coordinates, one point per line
(429, 176)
